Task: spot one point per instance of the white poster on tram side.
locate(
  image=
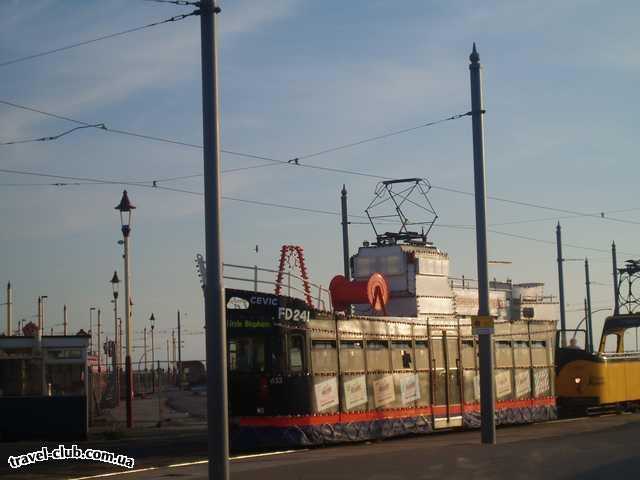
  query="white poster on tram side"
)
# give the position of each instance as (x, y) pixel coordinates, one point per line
(383, 391)
(355, 392)
(541, 378)
(326, 394)
(409, 389)
(523, 383)
(503, 383)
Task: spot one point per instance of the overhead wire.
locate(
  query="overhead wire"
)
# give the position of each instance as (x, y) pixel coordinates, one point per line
(54, 137)
(284, 206)
(296, 162)
(175, 18)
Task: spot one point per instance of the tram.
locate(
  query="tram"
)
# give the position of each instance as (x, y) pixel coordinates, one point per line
(391, 360)
(608, 379)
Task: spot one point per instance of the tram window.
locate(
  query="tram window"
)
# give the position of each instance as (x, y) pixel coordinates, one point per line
(422, 354)
(611, 343)
(247, 354)
(351, 356)
(296, 348)
(631, 340)
(401, 355)
(503, 353)
(377, 355)
(539, 352)
(468, 354)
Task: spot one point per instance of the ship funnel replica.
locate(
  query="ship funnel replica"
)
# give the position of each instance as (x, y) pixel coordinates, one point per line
(392, 201)
(374, 292)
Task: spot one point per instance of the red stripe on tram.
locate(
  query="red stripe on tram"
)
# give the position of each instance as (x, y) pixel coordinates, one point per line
(437, 410)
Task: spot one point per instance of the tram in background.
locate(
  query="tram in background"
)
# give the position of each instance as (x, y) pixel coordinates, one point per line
(299, 376)
(609, 379)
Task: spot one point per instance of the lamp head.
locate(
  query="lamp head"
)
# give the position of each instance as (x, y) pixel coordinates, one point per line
(125, 207)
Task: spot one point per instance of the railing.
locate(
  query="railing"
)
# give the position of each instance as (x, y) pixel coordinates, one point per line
(321, 298)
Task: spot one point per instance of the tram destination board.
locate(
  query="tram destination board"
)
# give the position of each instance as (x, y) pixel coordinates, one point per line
(256, 310)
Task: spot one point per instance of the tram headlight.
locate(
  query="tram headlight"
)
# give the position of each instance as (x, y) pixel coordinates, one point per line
(577, 380)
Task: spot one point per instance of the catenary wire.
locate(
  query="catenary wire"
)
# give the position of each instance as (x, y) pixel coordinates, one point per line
(295, 162)
(55, 137)
(93, 40)
(289, 207)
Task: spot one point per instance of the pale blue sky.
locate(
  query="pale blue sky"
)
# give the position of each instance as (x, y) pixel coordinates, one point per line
(296, 77)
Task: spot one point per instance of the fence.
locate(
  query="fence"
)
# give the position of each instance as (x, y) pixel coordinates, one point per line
(321, 298)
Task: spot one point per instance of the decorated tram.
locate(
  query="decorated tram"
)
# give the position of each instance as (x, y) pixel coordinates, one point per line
(396, 355)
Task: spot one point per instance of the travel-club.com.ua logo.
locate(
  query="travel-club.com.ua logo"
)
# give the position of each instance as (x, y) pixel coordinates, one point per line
(72, 453)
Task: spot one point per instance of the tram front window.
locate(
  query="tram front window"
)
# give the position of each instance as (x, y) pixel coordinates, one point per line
(247, 354)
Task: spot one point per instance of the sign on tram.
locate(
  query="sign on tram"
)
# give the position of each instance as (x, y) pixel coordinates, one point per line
(482, 324)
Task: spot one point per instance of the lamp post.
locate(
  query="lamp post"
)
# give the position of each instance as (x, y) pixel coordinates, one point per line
(126, 208)
(152, 319)
(91, 310)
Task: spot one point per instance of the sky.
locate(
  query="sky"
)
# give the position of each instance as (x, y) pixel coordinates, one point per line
(297, 77)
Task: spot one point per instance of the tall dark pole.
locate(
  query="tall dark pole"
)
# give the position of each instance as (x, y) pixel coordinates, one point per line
(563, 318)
(152, 319)
(99, 345)
(616, 293)
(214, 306)
(589, 322)
(117, 338)
(179, 352)
(487, 394)
(125, 207)
(9, 310)
(345, 233)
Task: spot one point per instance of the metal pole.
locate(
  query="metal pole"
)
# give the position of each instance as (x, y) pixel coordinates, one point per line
(173, 350)
(216, 333)
(616, 293)
(487, 394)
(129, 330)
(9, 310)
(345, 233)
(255, 278)
(91, 309)
(65, 321)
(168, 359)
(153, 363)
(43, 303)
(116, 350)
(40, 315)
(145, 349)
(99, 349)
(589, 320)
(121, 343)
(179, 352)
(563, 318)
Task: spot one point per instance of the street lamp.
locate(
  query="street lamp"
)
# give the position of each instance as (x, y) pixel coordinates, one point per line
(115, 281)
(152, 319)
(126, 208)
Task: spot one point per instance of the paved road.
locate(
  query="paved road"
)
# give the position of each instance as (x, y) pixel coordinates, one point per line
(582, 448)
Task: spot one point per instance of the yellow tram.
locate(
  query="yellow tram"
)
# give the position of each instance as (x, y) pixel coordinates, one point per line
(591, 381)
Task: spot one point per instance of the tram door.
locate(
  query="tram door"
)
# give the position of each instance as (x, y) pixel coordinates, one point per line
(445, 379)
